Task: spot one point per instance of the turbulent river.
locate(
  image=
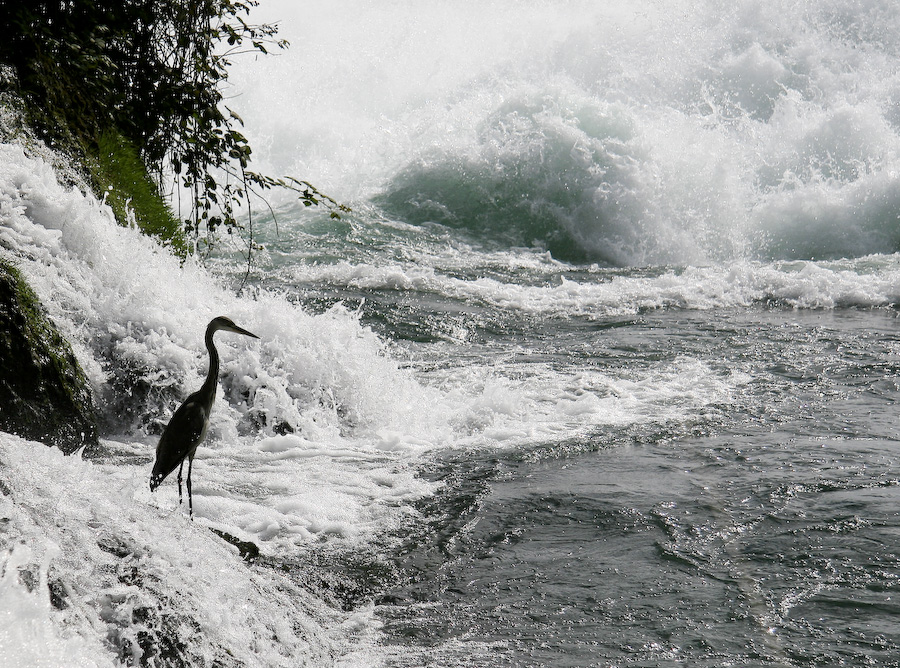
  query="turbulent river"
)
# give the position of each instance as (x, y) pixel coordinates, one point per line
(601, 369)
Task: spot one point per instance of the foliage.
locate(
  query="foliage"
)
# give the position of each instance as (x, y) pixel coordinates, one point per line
(120, 175)
(152, 72)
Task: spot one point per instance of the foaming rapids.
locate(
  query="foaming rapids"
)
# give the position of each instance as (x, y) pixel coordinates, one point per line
(598, 294)
(504, 160)
(660, 133)
(313, 444)
(314, 421)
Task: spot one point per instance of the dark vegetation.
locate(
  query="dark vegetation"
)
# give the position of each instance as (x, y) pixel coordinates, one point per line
(43, 391)
(134, 89)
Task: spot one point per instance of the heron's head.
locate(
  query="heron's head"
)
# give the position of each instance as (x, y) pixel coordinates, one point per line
(227, 325)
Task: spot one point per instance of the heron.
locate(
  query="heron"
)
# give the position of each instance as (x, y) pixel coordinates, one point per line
(188, 425)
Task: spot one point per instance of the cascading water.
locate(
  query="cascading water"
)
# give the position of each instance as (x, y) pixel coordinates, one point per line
(600, 370)
(643, 133)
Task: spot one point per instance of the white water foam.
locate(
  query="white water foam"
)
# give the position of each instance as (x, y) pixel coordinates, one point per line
(662, 132)
(129, 562)
(717, 135)
(29, 636)
(598, 294)
(136, 584)
(317, 423)
(319, 426)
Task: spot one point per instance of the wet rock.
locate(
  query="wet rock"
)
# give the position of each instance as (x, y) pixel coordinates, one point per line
(249, 551)
(44, 394)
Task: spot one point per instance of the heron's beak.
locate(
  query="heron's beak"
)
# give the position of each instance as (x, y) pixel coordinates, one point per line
(240, 330)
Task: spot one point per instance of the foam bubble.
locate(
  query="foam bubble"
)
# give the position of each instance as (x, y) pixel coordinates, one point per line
(314, 440)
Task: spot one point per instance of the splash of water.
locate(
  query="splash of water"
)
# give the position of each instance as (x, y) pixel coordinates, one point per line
(660, 132)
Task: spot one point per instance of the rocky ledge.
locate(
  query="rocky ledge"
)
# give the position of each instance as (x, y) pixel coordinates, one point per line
(44, 394)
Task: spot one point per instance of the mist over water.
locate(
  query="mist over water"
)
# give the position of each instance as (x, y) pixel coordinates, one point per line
(630, 134)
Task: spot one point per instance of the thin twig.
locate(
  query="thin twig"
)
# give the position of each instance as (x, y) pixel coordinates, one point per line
(250, 238)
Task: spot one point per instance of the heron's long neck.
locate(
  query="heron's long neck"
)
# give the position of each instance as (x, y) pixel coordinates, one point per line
(212, 375)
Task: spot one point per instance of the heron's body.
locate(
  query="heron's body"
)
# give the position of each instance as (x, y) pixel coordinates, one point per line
(188, 425)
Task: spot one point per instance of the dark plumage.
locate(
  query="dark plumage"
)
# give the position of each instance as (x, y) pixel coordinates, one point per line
(187, 428)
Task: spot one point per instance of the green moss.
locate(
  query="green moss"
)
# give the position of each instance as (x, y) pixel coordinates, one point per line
(111, 167)
(38, 327)
(119, 174)
(44, 392)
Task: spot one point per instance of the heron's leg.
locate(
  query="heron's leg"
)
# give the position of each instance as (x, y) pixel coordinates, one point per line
(179, 480)
(190, 498)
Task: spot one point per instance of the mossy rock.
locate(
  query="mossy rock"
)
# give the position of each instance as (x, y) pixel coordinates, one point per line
(120, 176)
(44, 394)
